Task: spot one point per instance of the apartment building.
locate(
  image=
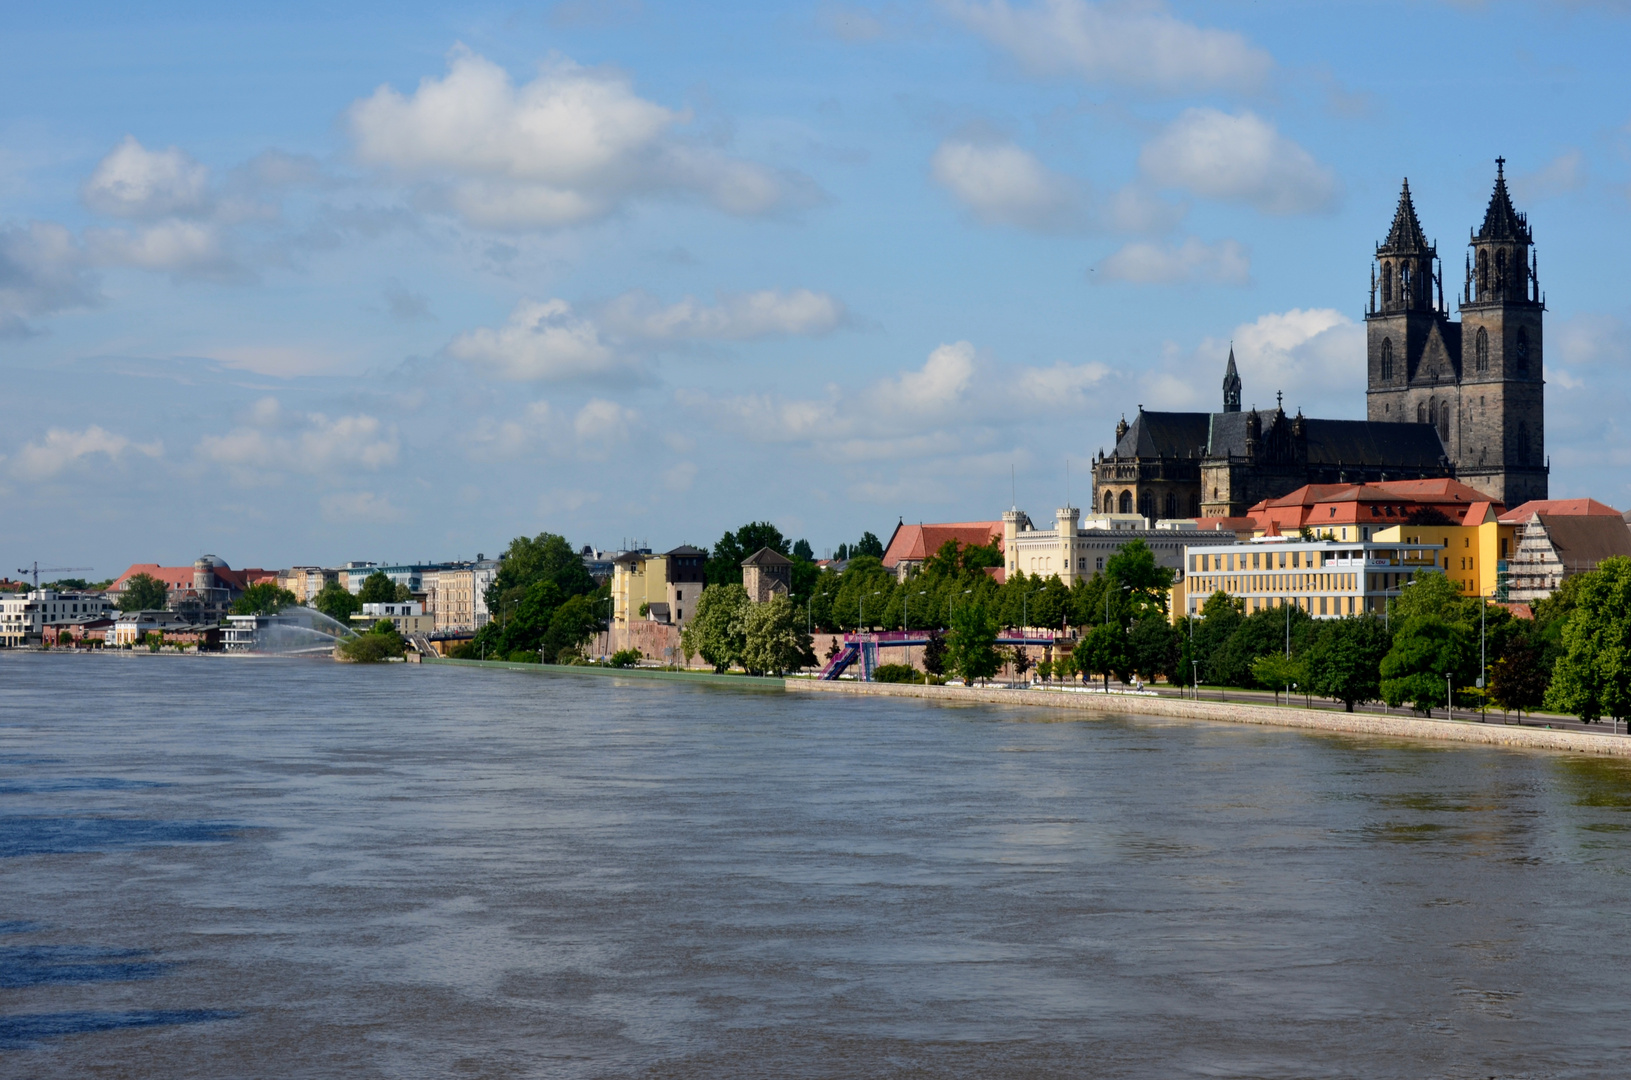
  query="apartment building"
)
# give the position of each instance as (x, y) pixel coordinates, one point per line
(1326, 578)
(24, 617)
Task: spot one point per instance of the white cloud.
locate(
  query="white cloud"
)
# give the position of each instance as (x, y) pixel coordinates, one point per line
(273, 442)
(1062, 383)
(359, 508)
(542, 340)
(680, 476)
(1316, 356)
(1002, 184)
(1134, 44)
(1561, 175)
(604, 422)
(141, 184)
(1223, 263)
(178, 247)
(1240, 158)
(737, 317)
(42, 271)
(502, 440)
(935, 388)
(62, 448)
(572, 145)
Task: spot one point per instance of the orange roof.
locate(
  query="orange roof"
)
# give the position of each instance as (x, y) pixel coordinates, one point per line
(181, 577)
(918, 543)
(1324, 505)
(1560, 507)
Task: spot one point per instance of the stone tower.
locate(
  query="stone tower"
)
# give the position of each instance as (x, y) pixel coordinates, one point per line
(1231, 385)
(1501, 448)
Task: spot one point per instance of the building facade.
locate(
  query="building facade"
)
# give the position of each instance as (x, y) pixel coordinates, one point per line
(1327, 579)
(1078, 547)
(1554, 547)
(24, 617)
(765, 573)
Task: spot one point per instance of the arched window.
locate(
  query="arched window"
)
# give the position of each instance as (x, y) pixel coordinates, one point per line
(1194, 506)
(1126, 502)
(1480, 350)
(1444, 424)
(1520, 348)
(1500, 273)
(1483, 274)
(1109, 502)
(1387, 283)
(1172, 505)
(1432, 413)
(1145, 505)
(1404, 283)
(1421, 413)
(1387, 359)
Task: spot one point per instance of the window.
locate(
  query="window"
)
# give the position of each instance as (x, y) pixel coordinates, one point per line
(1421, 413)
(1109, 502)
(1483, 275)
(1172, 505)
(1520, 348)
(1480, 350)
(1387, 359)
(1387, 283)
(1126, 502)
(1098, 564)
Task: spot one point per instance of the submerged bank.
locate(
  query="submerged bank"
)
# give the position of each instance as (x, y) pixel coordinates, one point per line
(1404, 727)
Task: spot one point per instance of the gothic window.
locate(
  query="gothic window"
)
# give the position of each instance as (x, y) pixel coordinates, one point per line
(1404, 282)
(1421, 413)
(1145, 508)
(1480, 350)
(1109, 502)
(1387, 283)
(1521, 349)
(1387, 359)
(1194, 506)
(1126, 502)
(1483, 275)
(1444, 425)
(1500, 273)
(1172, 505)
(1432, 413)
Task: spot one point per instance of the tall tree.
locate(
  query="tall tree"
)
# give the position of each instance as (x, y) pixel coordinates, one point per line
(869, 544)
(143, 592)
(1153, 643)
(717, 631)
(1106, 653)
(546, 556)
(803, 550)
(1519, 679)
(377, 589)
(1148, 582)
(1345, 660)
(971, 648)
(1424, 650)
(773, 642)
(1593, 676)
(724, 566)
(264, 598)
(337, 602)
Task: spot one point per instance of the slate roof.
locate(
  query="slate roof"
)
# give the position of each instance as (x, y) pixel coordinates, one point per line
(686, 549)
(1501, 221)
(1581, 542)
(1166, 434)
(1340, 442)
(767, 556)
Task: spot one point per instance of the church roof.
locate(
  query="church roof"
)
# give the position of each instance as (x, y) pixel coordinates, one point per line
(1340, 442)
(918, 543)
(1406, 235)
(767, 556)
(1165, 434)
(1501, 221)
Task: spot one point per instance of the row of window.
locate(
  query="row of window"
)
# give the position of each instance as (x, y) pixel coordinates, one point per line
(1147, 504)
(1480, 353)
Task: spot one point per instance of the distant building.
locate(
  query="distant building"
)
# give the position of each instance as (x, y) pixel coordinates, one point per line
(1325, 578)
(910, 546)
(132, 627)
(203, 592)
(660, 588)
(1078, 547)
(1554, 547)
(408, 616)
(25, 617)
(1358, 511)
(460, 605)
(353, 574)
(766, 573)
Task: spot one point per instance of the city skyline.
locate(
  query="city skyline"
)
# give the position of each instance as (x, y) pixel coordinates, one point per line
(402, 282)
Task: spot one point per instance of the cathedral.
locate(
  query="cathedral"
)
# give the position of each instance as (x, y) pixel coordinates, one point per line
(1460, 399)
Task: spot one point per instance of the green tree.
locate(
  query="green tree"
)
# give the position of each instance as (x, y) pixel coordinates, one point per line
(143, 592)
(1520, 678)
(1424, 650)
(337, 602)
(403, 594)
(1345, 660)
(1592, 678)
(934, 654)
(773, 642)
(380, 643)
(571, 625)
(724, 566)
(803, 550)
(1149, 583)
(1277, 671)
(545, 557)
(264, 598)
(1258, 634)
(1153, 644)
(377, 589)
(868, 545)
(971, 647)
(1105, 651)
(716, 631)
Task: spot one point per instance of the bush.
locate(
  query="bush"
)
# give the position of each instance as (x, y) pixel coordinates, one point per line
(896, 673)
(625, 658)
(373, 648)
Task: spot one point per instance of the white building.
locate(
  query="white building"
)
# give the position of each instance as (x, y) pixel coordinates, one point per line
(408, 616)
(1079, 547)
(24, 616)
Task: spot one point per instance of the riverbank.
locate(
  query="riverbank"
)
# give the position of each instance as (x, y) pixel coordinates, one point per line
(738, 682)
(1403, 727)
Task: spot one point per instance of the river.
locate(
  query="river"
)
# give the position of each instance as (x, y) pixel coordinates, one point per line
(244, 867)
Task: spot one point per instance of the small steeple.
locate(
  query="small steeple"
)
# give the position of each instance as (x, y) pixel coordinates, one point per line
(1501, 221)
(1406, 236)
(1231, 384)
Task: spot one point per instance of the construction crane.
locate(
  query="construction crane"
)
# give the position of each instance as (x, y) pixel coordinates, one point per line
(38, 569)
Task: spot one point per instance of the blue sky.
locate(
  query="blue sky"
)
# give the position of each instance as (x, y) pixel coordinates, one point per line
(403, 281)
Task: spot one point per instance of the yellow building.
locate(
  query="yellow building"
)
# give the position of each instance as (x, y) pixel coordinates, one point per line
(1473, 555)
(661, 588)
(1327, 579)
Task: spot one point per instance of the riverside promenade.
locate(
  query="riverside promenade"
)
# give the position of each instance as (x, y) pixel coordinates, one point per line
(1402, 727)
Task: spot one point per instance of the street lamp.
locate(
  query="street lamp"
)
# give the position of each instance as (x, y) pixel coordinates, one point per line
(860, 612)
(1449, 701)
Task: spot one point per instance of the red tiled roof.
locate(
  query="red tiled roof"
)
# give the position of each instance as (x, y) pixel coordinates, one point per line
(181, 577)
(1560, 508)
(917, 543)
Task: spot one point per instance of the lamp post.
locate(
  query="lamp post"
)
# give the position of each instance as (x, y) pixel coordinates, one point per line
(1449, 702)
(860, 614)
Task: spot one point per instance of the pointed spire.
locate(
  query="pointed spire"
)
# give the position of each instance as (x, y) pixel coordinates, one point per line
(1231, 384)
(1406, 236)
(1501, 221)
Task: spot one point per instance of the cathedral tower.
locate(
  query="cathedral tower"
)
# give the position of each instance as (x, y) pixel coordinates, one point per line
(1502, 447)
(1231, 385)
(1414, 349)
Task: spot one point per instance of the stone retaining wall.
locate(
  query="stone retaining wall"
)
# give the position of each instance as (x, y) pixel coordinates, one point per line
(1405, 727)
